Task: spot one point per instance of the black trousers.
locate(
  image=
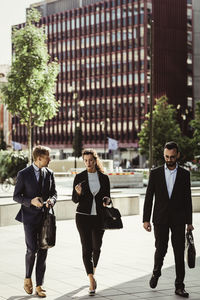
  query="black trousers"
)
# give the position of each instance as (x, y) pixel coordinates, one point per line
(161, 233)
(31, 238)
(91, 235)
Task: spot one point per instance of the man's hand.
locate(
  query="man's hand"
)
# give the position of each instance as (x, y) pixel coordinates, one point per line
(49, 203)
(147, 226)
(189, 227)
(37, 202)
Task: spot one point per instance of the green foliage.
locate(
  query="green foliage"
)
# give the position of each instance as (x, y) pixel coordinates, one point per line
(165, 128)
(196, 126)
(10, 163)
(29, 93)
(77, 142)
(2, 142)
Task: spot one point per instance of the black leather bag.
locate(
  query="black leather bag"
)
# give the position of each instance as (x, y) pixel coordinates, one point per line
(47, 236)
(190, 251)
(111, 218)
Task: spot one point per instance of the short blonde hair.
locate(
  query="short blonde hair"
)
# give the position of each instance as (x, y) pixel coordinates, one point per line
(39, 151)
(99, 165)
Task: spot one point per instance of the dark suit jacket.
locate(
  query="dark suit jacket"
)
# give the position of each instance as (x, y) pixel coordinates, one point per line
(174, 210)
(86, 198)
(27, 188)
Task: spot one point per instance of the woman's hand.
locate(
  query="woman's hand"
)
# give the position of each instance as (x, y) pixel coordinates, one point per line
(78, 189)
(106, 201)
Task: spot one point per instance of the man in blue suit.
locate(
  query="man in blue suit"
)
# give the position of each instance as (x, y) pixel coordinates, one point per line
(35, 185)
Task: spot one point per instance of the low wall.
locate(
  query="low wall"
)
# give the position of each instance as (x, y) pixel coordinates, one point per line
(65, 209)
(65, 165)
(196, 202)
(134, 180)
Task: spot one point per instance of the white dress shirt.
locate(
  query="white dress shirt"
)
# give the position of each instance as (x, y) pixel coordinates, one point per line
(170, 177)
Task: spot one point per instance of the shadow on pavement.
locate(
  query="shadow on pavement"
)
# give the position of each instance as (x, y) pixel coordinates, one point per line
(139, 287)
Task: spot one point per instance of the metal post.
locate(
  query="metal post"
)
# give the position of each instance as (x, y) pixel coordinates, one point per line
(151, 96)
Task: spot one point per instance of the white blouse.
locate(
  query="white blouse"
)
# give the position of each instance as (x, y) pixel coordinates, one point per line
(94, 185)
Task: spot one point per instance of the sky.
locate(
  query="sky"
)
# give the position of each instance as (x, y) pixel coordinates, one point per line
(12, 12)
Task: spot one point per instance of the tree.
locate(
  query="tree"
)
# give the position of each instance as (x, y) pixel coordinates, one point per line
(196, 126)
(165, 128)
(2, 142)
(29, 94)
(77, 143)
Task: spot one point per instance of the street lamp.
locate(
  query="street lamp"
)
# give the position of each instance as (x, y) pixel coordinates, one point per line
(102, 125)
(151, 95)
(77, 120)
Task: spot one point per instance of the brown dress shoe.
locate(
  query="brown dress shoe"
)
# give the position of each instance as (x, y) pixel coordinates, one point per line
(40, 292)
(28, 286)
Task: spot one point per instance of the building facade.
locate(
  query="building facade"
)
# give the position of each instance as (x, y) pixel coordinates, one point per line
(196, 49)
(104, 51)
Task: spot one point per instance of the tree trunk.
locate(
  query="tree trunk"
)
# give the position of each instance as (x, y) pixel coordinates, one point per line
(29, 131)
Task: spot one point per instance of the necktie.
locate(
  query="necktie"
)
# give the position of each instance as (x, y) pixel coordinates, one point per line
(40, 181)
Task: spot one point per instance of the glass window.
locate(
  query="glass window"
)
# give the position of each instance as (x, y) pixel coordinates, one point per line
(102, 39)
(118, 36)
(50, 28)
(82, 21)
(113, 14)
(97, 39)
(97, 18)
(87, 20)
(107, 16)
(73, 24)
(102, 17)
(141, 77)
(118, 12)
(92, 19)
(136, 78)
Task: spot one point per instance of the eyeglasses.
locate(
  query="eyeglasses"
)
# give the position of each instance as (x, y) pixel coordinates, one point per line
(170, 157)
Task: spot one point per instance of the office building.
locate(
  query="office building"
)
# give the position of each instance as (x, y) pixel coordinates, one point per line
(104, 50)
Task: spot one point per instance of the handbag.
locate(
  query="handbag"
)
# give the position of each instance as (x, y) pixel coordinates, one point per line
(190, 251)
(47, 236)
(111, 218)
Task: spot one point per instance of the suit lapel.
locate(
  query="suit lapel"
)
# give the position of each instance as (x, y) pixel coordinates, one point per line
(163, 181)
(176, 181)
(33, 177)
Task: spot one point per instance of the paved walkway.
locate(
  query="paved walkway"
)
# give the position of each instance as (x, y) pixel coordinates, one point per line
(123, 272)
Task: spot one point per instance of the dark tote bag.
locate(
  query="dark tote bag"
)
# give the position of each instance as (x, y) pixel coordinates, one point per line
(47, 236)
(190, 251)
(111, 218)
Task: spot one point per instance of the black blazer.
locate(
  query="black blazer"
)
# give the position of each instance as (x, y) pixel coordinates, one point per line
(27, 188)
(174, 210)
(86, 198)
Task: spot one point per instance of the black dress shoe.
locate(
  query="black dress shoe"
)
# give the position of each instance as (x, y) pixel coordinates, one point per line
(182, 293)
(153, 281)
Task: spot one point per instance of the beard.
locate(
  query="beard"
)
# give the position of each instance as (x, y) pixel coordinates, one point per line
(171, 163)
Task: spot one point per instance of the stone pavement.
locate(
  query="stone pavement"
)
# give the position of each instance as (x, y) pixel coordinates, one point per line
(123, 272)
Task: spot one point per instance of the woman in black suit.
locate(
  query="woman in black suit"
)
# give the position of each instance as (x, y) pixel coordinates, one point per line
(91, 190)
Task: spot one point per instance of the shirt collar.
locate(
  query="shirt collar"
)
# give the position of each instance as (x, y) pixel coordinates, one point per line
(166, 168)
(35, 167)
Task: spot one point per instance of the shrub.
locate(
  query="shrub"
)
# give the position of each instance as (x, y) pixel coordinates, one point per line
(10, 163)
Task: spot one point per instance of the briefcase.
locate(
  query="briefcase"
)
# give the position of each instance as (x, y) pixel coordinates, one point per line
(47, 236)
(111, 218)
(190, 251)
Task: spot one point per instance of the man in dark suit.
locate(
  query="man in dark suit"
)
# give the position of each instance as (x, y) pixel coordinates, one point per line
(170, 184)
(35, 185)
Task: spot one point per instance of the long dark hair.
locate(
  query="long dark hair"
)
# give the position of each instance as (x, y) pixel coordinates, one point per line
(99, 165)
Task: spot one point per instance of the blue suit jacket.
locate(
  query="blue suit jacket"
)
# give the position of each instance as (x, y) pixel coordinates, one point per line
(27, 188)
